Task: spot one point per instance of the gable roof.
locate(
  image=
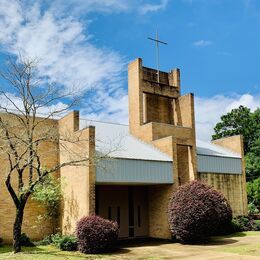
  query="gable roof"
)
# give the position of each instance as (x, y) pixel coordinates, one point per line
(116, 141)
(208, 148)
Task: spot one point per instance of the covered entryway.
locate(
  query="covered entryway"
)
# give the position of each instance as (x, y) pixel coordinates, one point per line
(128, 205)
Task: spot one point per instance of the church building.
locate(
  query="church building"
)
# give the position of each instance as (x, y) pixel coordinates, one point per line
(146, 161)
(151, 157)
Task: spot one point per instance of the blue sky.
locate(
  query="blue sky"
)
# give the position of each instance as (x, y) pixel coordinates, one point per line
(215, 43)
(86, 45)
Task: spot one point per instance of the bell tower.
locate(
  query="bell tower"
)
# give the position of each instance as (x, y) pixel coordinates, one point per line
(158, 114)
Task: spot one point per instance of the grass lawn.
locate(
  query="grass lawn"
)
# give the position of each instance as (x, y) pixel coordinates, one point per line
(246, 244)
(245, 248)
(43, 252)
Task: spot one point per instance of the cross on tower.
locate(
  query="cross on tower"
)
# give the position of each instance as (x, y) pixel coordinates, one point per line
(157, 41)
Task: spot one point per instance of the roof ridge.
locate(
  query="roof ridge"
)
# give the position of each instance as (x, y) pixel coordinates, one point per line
(226, 152)
(104, 122)
(150, 145)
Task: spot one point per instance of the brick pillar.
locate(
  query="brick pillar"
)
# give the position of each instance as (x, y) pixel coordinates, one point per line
(78, 180)
(236, 144)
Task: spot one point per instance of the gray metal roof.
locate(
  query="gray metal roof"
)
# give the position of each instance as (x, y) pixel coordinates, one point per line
(207, 148)
(116, 141)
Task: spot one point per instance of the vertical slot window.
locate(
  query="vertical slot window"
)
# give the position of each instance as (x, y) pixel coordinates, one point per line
(131, 211)
(109, 213)
(97, 201)
(118, 216)
(139, 216)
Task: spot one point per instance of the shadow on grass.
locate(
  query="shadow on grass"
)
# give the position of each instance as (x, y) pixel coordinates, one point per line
(143, 242)
(68, 254)
(52, 251)
(219, 242)
(237, 234)
(224, 240)
(211, 242)
(9, 249)
(5, 249)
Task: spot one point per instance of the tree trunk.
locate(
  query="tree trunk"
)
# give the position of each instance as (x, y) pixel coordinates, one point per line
(17, 229)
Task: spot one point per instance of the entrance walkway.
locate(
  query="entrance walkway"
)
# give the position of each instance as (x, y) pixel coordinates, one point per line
(237, 247)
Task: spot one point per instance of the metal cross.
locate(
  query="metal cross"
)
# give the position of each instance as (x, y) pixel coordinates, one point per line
(157, 48)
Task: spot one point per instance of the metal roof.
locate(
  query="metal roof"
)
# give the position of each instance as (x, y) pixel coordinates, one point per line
(207, 148)
(116, 141)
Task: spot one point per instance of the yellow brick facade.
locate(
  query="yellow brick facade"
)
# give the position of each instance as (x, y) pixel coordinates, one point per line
(32, 226)
(232, 186)
(78, 181)
(158, 115)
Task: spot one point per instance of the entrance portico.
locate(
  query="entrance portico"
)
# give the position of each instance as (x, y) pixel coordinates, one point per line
(128, 205)
(125, 190)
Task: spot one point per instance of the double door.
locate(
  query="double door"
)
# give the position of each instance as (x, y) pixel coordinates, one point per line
(127, 205)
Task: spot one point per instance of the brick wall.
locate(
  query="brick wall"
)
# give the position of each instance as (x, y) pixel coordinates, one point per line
(31, 226)
(78, 180)
(231, 185)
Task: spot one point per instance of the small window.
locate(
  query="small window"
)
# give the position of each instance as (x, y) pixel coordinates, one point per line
(139, 216)
(118, 216)
(109, 213)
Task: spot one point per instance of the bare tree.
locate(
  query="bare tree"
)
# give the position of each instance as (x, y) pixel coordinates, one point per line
(24, 132)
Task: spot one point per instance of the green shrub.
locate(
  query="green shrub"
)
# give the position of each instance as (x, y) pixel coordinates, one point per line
(257, 222)
(252, 209)
(44, 242)
(197, 211)
(25, 240)
(246, 223)
(55, 239)
(48, 240)
(49, 194)
(68, 243)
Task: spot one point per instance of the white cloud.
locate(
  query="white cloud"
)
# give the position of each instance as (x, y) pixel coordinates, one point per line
(113, 110)
(66, 54)
(108, 6)
(69, 57)
(60, 40)
(88, 6)
(208, 110)
(12, 103)
(148, 7)
(202, 43)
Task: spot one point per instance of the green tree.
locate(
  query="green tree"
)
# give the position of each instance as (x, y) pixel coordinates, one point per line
(239, 121)
(49, 194)
(23, 134)
(252, 159)
(242, 121)
(253, 192)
